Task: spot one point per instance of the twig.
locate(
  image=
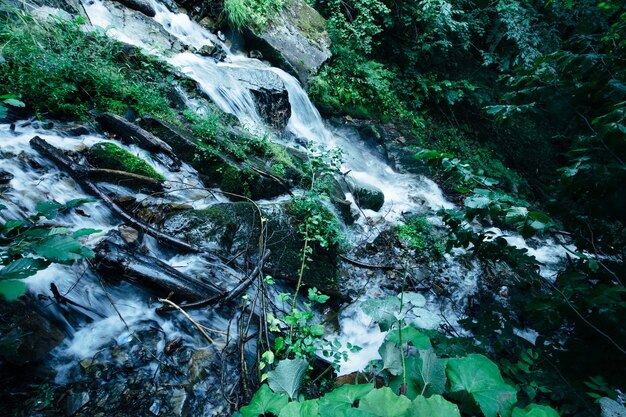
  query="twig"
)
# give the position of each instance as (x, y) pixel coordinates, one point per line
(188, 317)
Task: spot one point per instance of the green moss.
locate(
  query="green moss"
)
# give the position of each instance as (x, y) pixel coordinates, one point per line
(110, 156)
(62, 71)
(417, 234)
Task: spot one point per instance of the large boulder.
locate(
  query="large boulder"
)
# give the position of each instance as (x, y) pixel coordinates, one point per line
(143, 6)
(366, 196)
(296, 40)
(233, 230)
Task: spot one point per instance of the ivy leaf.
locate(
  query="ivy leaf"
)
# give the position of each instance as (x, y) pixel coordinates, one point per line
(479, 377)
(264, 401)
(306, 408)
(78, 202)
(12, 289)
(383, 311)
(22, 268)
(287, 376)
(392, 358)
(535, 410)
(435, 406)
(14, 102)
(342, 398)
(430, 373)
(384, 403)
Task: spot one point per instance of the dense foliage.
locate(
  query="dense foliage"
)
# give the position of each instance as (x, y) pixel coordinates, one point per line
(524, 106)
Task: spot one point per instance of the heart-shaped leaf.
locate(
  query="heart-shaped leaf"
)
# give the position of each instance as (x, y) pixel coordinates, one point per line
(287, 376)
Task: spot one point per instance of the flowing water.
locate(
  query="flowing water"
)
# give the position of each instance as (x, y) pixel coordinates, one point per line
(98, 323)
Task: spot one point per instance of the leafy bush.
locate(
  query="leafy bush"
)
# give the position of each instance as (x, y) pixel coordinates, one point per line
(254, 14)
(28, 247)
(59, 70)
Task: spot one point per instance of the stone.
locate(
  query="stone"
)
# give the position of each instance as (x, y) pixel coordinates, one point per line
(48, 14)
(213, 51)
(296, 41)
(365, 195)
(270, 94)
(143, 6)
(128, 234)
(5, 177)
(178, 402)
(255, 54)
(229, 229)
(75, 402)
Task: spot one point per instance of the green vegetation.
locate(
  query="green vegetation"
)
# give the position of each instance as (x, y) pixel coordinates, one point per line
(109, 155)
(254, 14)
(59, 70)
(417, 234)
(28, 246)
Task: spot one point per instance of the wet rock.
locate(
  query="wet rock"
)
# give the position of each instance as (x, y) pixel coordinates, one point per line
(255, 54)
(75, 402)
(232, 230)
(143, 6)
(5, 177)
(201, 362)
(128, 234)
(270, 95)
(178, 402)
(240, 178)
(367, 196)
(49, 14)
(213, 51)
(29, 335)
(296, 41)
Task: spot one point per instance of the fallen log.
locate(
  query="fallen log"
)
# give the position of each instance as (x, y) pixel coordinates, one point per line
(80, 174)
(368, 266)
(131, 133)
(119, 261)
(126, 179)
(225, 297)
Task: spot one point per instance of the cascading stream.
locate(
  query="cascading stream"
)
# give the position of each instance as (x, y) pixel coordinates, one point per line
(403, 193)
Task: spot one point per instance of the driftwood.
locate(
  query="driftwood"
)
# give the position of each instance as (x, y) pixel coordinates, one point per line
(80, 174)
(116, 260)
(223, 298)
(131, 133)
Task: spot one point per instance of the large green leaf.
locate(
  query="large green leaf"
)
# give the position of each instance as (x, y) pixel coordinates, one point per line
(384, 311)
(287, 376)
(392, 357)
(11, 289)
(435, 406)
(430, 373)
(48, 209)
(61, 249)
(22, 268)
(342, 398)
(309, 408)
(535, 410)
(516, 214)
(384, 403)
(477, 202)
(264, 401)
(479, 377)
(411, 335)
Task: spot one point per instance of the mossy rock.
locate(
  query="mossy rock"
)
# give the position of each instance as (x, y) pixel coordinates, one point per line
(110, 156)
(230, 229)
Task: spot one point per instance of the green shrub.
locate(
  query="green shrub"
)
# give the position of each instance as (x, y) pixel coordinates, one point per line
(255, 14)
(59, 70)
(110, 156)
